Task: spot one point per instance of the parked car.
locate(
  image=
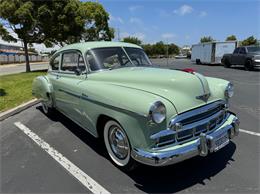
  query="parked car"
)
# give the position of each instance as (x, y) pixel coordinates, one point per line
(180, 56)
(248, 56)
(143, 114)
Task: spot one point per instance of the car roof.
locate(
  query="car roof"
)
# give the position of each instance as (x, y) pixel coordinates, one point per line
(84, 46)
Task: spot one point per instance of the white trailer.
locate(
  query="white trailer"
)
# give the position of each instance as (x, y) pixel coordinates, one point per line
(211, 52)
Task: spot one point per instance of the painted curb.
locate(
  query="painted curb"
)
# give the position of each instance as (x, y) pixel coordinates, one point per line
(6, 114)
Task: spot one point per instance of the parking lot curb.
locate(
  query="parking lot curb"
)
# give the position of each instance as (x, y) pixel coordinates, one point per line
(6, 114)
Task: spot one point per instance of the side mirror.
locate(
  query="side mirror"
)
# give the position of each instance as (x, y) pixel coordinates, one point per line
(78, 72)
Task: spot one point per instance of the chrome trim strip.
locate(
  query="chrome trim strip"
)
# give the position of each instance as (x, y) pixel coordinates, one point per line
(195, 111)
(202, 122)
(87, 98)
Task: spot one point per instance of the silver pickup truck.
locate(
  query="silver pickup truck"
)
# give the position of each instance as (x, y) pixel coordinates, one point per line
(248, 56)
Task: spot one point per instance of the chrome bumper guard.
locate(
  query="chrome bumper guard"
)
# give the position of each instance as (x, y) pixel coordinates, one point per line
(201, 146)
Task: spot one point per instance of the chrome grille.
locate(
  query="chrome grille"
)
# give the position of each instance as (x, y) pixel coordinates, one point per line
(194, 122)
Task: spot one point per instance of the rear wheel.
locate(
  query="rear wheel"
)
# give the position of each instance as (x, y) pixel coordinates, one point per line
(118, 146)
(249, 65)
(198, 61)
(227, 63)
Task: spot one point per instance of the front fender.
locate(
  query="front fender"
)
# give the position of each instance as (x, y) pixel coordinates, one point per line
(217, 88)
(128, 106)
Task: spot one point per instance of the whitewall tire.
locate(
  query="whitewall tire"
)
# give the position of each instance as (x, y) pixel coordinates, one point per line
(118, 145)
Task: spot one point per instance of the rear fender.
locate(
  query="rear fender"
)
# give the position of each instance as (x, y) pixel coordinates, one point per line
(42, 89)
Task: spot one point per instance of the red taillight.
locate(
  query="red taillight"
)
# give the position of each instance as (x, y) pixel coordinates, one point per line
(189, 70)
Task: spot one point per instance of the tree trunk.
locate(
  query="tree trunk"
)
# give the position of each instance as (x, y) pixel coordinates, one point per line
(28, 69)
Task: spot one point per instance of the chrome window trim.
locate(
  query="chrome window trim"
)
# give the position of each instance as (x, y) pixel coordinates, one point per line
(51, 59)
(101, 70)
(61, 60)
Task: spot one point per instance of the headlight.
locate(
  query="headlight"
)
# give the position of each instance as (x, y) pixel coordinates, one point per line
(229, 91)
(157, 112)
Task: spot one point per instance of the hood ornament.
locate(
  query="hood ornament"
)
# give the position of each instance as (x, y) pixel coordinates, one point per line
(204, 97)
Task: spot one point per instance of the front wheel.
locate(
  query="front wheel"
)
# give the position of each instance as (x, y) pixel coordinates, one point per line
(249, 65)
(118, 146)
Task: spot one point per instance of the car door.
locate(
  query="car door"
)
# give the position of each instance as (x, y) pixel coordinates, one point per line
(235, 56)
(242, 56)
(67, 81)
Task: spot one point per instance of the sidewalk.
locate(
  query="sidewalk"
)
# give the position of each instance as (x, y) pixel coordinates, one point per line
(18, 68)
(22, 64)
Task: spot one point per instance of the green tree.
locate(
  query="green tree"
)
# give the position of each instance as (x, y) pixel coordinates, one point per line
(40, 21)
(159, 48)
(206, 39)
(4, 34)
(249, 41)
(133, 40)
(148, 48)
(53, 22)
(231, 38)
(173, 49)
(96, 22)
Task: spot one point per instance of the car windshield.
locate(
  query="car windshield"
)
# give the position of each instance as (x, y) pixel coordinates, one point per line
(253, 49)
(116, 57)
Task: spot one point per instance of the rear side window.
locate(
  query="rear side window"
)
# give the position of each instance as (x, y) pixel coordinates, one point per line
(242, 50)
(236, 50)
(55, 63)
(71, 61)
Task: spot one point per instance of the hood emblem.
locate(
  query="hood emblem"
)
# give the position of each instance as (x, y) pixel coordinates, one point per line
(203, 97)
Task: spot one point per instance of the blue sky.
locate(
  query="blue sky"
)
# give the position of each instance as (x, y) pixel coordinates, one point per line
(184, 22)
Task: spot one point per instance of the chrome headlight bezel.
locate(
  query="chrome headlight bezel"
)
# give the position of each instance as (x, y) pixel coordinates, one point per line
(229, 91)
(157, 112)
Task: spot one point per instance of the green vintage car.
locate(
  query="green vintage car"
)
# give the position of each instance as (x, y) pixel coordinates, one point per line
(142, 113)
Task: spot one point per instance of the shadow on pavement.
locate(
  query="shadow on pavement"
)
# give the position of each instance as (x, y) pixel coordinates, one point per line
(40, 70)
(81, 133)
(178, 177)
(162, 180)
(243, 68)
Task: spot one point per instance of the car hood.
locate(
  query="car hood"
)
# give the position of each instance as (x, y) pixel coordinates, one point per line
(254, 52)
(178, 87)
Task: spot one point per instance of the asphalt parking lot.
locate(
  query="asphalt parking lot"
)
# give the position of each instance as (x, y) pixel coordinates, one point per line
(26, 168)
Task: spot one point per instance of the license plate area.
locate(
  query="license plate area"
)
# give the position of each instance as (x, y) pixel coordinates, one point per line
(220, 141)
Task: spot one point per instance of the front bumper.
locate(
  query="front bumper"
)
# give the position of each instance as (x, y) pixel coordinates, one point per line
(199, 147)
(256, 63)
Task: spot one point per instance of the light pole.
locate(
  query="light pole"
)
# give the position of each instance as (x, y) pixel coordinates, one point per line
(167, 52)
(118, 34)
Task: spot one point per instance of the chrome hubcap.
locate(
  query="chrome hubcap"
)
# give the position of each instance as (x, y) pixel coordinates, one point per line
(118, 142)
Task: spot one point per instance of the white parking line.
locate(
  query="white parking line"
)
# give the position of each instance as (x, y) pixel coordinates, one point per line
(82, 177)
(249, 132)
